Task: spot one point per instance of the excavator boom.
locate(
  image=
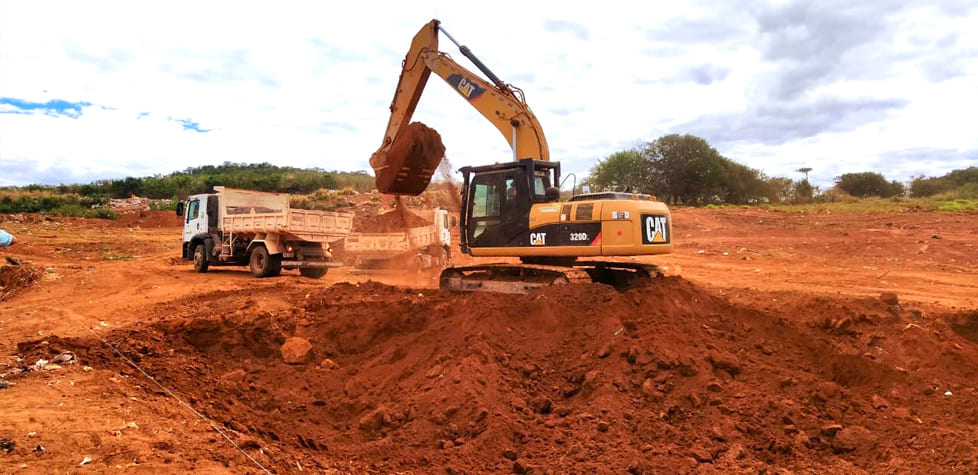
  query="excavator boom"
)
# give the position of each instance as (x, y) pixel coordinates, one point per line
(411, 152)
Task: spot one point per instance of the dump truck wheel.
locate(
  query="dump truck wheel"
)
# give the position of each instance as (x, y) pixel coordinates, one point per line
(313, 272)
(263, 264)
(200, 260)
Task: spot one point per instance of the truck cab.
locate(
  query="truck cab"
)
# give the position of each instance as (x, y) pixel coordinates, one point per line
(251, 228)
(200, 218)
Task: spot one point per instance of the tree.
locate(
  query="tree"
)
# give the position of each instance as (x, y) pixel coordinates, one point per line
(868, 184)
(803, 192)
(804, 170)
(620, 171)
(967, 177)
(685, 168)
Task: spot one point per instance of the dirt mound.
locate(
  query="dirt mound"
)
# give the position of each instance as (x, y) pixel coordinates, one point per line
(578, 378)
(406, 166)
(396, 220)
(16, 277)
(147, 219)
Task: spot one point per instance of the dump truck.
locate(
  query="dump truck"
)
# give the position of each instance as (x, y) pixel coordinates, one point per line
(415, 248)
(233, 227)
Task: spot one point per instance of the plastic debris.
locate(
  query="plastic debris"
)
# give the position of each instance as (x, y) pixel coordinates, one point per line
(65, 358)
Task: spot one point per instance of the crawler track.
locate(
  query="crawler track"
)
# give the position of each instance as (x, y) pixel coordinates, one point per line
(521, 279)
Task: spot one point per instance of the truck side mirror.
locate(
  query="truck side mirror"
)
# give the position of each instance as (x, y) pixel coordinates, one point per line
(180, 208)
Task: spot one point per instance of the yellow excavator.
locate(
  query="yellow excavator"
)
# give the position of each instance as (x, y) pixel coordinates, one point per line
(512, 209)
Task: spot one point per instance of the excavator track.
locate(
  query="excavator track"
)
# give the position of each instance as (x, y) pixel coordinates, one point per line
(525, 278)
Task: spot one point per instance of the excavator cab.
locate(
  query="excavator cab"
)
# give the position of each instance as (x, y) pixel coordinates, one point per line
(497, 199)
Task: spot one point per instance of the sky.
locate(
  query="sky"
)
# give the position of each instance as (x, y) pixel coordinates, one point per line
(100, 90)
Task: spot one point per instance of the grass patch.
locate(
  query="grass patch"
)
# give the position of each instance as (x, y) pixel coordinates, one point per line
(882, 205)
(958, 205)
(109, 254)
(15, 200)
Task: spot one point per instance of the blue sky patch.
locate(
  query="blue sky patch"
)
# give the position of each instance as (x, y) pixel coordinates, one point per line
(190, 125)
(54, 108)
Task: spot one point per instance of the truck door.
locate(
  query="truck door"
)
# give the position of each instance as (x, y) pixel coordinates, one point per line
(195, 221)
(441, 217)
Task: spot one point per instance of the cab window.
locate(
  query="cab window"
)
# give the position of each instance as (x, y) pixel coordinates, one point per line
(193, 210)
(485, 200)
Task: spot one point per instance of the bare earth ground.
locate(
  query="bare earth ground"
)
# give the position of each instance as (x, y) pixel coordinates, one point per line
(789, 342)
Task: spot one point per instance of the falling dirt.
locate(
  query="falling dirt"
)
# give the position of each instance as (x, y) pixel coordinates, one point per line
(397, 220)
(406, 166)
(776, 342)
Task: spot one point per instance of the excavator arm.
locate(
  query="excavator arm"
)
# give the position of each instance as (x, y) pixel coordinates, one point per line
(411, 152)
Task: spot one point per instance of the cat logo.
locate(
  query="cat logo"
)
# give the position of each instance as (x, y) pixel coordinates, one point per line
(538, 239)
(466, 87)
(655, 229)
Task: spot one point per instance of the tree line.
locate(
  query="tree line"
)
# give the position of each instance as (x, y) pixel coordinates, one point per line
(75, 199)
(686, 170)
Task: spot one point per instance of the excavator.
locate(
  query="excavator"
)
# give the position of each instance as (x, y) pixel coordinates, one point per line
(512, 209)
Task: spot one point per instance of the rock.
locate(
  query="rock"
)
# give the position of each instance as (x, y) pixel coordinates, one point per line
(727, 363)
(632, 354)
(827, 391)
(603, 426)
(644, 358)
(702, 455)
(714, 387)
(901, 413)
(852, 439)
(687, 366)
(375, 419)
(541, 405)
(296, 350)
(935, 236)
(889, 298)
(232, 377)
(510, 454)
(590, 381)
(445, 444)
(878, 402)
(829, 430)
(802, 440)
(328, 364)
(520, 467)
(605, 350)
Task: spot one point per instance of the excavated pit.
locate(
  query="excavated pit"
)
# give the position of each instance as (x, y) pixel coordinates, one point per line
(406, 166)
(668, 378)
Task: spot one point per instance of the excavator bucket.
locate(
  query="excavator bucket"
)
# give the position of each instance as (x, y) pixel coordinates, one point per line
(406, 165)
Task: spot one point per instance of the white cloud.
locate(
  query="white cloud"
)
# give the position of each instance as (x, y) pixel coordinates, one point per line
(307, 84)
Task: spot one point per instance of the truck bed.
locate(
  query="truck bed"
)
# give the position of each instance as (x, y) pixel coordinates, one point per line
(390, 244)
(306, 225)
(248, 212)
